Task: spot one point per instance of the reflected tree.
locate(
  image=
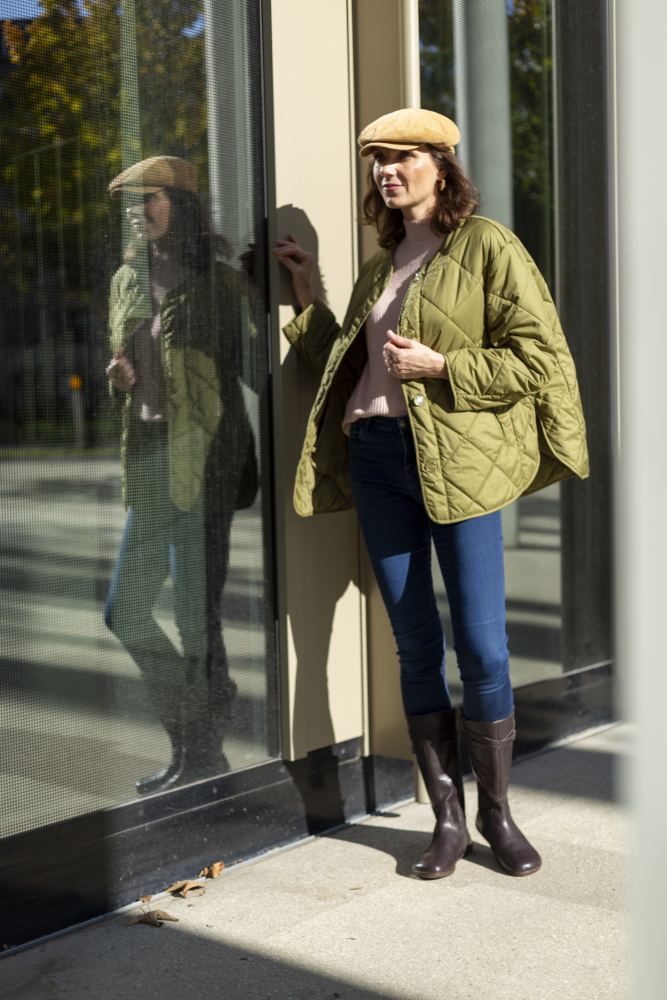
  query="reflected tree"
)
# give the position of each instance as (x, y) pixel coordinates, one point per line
(531, 65)
(60, 143)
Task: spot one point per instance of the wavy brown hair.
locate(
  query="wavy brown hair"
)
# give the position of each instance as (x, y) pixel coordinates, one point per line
(192, 239)
(458, 200)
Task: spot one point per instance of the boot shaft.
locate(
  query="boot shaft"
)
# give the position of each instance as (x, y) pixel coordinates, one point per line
(435, 743)
(490, 748)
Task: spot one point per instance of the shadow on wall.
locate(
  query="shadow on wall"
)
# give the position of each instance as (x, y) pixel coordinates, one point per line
(290, 219)
(323, 564)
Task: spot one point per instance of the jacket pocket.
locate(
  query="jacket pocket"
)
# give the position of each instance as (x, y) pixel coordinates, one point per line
(504, 418)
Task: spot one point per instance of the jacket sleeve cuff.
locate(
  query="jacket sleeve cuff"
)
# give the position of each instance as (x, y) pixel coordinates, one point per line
(458, 397)
(312, 316)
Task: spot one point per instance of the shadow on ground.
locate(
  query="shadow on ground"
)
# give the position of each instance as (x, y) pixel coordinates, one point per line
(169, 964)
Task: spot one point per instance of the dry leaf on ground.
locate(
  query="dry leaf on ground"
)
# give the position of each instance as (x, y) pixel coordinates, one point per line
(212, 871)
(153, 917)
(185, 886)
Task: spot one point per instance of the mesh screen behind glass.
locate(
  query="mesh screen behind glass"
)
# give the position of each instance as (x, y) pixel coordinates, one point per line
(135, 608)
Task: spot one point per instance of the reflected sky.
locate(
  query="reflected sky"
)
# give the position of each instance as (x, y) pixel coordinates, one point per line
(16, 9)
(10, 9)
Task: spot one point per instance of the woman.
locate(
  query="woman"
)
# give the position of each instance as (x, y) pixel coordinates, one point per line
(175, 322)
(448, 392)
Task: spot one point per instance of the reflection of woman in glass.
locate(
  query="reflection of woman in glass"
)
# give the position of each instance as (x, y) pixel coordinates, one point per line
(174, 319)
(448, 392)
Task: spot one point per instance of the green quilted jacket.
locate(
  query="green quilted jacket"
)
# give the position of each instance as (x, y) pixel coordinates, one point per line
(207, 424)
(506, 422)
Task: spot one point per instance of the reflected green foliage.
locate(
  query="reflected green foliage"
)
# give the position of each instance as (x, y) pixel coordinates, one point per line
(531, 70)
(529, 30)
(63, 124)
(437, 56)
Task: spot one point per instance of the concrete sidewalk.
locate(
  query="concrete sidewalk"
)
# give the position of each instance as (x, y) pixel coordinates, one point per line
(341, 917)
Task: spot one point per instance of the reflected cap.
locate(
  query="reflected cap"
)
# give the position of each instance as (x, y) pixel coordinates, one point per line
(408, 129)
(155, 173)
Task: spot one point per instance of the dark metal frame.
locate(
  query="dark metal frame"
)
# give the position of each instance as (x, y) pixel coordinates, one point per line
(585, 283)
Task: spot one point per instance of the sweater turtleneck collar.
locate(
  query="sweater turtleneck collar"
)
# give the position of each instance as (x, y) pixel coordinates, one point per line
(420, 231)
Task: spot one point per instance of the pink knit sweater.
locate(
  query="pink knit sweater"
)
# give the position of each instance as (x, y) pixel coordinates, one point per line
(377, 393)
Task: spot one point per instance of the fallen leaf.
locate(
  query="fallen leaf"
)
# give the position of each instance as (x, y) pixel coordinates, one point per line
(212, 871)
(153, 917)
(185, 886)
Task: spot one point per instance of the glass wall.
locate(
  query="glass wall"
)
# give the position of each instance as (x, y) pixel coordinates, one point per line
(136, 609)
(489, 65)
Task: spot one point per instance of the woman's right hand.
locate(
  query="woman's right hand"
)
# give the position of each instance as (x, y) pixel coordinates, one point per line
(300, 264)
(120, 372)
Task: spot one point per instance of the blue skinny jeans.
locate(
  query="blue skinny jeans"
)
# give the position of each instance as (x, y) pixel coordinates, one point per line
(398, 535)
(159, 540)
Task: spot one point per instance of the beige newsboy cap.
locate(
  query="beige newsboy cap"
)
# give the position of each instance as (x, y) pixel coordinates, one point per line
(155, 173)
(408, 129)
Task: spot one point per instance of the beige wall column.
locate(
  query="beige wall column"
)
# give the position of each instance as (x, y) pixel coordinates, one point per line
(322, 95)
(314, 189)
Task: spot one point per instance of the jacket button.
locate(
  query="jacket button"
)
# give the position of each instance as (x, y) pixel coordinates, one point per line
(430, 465)
(418, 400)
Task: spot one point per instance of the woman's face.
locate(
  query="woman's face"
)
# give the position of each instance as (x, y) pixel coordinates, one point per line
(150, 219)
(407, 179)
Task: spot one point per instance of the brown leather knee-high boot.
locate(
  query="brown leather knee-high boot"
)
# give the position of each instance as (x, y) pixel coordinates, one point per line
(434, 741)
(490, 749)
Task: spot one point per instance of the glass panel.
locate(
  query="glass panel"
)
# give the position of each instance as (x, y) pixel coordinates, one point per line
(489, 66)
(135, 585)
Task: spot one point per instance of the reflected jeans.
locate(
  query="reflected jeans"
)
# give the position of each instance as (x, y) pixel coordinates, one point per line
(398, 535)
(160, 540)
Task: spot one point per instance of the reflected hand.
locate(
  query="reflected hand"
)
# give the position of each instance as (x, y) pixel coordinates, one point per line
(120, 372)
(300, 264)
(406, 359)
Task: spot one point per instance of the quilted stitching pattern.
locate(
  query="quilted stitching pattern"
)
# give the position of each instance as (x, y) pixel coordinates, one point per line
(482, 302)
(196, 358)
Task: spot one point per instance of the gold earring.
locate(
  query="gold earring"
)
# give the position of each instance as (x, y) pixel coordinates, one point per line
(442, 184)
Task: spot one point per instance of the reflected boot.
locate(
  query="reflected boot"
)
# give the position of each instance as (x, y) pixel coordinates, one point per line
(163, 676)
(434, 741)
(192, 759)
(490, 750)
(170, 687)
(211, 692)
(171, 774)
(194, 736)
(222, 688)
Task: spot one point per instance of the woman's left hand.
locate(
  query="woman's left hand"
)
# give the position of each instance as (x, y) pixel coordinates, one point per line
(407, 359)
